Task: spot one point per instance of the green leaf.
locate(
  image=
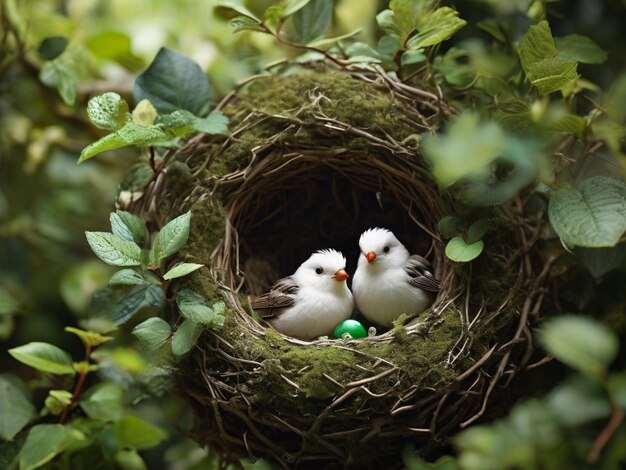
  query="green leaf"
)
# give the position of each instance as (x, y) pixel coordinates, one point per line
(181, 270)
(458, 250)
(144, 113)
(108, 111)
(245, 23)
(115, 46)
(581, 343)
(450, 226)
(52, 47)
(173, 81)
(129, 459)
(16, 409)
(57, 74)
(600, 261)
(312, 21)
(186, 337)
(579, 48)
(492, 26)
(194, 307)
(231, 9)
(409, 12)
(579, 401)
(214, 123)
(616, 386)
(467, 148)
(478, 230)
(293, 6)
(411, 57)
(89, 338)
(114, 250)
(128, 277)
(128, 226)
(57, 401)
(153, 333)
(435, 27)
(541, 61)
(120, 305)
(44, 357)
(136, 433)
(108, 142)
(171, 238)
(104, 402)
(43, 443)
(386, 20)
(592, 215)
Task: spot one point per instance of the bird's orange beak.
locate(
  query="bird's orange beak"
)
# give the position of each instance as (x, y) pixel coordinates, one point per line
(371, 257)
(341, 275)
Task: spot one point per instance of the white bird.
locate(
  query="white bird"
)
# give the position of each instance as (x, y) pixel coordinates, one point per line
(389, 281)
(311, 302)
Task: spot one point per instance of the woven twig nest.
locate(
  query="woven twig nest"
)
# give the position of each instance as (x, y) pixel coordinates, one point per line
(313, 159)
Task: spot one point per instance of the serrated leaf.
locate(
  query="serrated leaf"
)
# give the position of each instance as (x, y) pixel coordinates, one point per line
(186, 337)
(435, 27)
(458, 250)
(44, 357)
(173, 81)
(312, 20)
(591, 215)
(171, 238)
(153, 333)
(181, 270)
(581, 343)
(579, 48)
(135, 226)
(43, 443)
(104, 402)
(52, 47)
(16, 409)
(136, 433)
(541, 61)
(114, 250)
(128, 277)
(108, 111)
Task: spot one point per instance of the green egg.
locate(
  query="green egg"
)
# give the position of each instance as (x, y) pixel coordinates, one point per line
(352, 327)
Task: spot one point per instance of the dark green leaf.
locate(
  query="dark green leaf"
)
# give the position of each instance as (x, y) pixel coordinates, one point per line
(16, 409)
(52, 47)
(173, 82)
(186, 336)
(450, 226)
(579, 48)
(492, 26)
(580, 343)
(43, 443)
(153, 333)
(136, 433)
(478, 230)
(312, 21)
(108, 111)
(104, 402)
(231, 9)
(135, 300)
(458, 250)
(293, 6)
(114, 250)
(44, 357)
(600, 261)
(171, 238)
(592, 215)
(135, 225)
(541, 62)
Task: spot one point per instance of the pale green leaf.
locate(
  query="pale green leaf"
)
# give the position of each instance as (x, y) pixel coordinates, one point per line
(128, 277)
(435, 27)
(245, 23)
(44, 357)
(153, 333)
(57, 74)
(186, 336)
(108, 111)
(90, 339)
(579, 401)
(135, 225)
(580, 48)
(144, 113)
(581, 343)
(214, 123)
(312, 21)
(104, 402)
(409, 12)
(136, 433)
(590, 215)
(108, 142)
(231, 9)
(129, 459)
(181, 270)
(171, 238)
(57, 401)
(541, 62)
(458, 250)
(386, 19)
(114, 250)
(293, 6)
(43, 443)
(194, 307)
(16, 409)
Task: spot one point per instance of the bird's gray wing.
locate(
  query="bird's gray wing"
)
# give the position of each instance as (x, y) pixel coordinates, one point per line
(280, 296)
(420, 273)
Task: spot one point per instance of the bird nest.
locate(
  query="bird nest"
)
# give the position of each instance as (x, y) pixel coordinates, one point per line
(314, 159)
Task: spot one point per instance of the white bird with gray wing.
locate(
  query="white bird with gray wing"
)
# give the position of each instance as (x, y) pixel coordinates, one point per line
(389, 281)
(311, 302)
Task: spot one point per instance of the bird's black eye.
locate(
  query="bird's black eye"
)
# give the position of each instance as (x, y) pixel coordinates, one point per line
(319, 270)
(386, 249)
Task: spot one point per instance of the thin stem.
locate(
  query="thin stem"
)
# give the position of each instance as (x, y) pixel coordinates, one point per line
(82, 375)
(617, 417)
